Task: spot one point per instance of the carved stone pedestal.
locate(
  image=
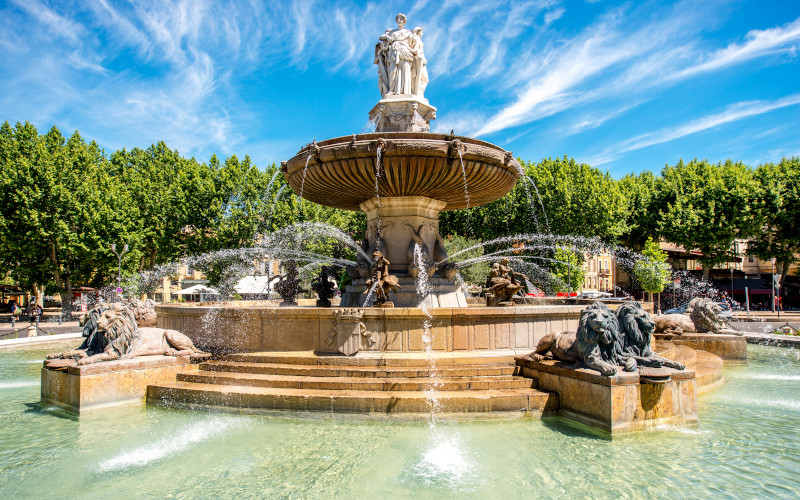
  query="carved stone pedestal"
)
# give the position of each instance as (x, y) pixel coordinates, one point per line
(403, 113)
(78, 389)
(442, 293)
(618, 404)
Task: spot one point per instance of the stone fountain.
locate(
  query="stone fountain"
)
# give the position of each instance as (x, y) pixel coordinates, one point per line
(402, 176)
(355, 358)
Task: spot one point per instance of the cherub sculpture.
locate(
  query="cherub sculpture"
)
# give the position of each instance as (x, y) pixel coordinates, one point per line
(381, 280)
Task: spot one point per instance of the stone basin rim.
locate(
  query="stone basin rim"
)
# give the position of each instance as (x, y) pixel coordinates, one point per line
(340, 172)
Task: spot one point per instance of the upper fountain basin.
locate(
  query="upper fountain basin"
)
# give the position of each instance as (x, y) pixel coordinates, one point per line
(340, 172)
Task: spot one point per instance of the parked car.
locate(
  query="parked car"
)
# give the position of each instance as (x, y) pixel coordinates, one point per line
(594, 295)
(725, 309)
(534, 291)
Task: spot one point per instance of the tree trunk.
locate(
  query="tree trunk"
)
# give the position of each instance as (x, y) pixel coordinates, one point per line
(38, 293)
(706, 271)
(63, 282)
(66, 304)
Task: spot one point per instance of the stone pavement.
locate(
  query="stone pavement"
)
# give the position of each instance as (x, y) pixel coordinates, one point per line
(47, 326)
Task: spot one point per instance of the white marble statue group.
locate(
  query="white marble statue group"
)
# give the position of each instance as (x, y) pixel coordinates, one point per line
(402, 67)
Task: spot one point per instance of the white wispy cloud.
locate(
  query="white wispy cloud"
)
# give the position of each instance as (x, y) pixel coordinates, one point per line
(732, 113)
(758, 43)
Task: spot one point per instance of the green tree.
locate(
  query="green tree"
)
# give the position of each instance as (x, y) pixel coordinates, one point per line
(652, 272)
(568, 269)
(576, 199)
(61, 210)
(777, 220)
(473, 274)
(705, 206)
(640, 217)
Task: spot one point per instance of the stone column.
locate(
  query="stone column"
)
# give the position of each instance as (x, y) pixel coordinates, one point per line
(398, 218)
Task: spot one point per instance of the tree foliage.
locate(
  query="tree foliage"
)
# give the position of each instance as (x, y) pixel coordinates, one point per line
(777, 231)
(568, 268)
(706, 206)
(652, 272)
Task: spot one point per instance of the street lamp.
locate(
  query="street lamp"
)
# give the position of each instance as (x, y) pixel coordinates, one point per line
(119, 258)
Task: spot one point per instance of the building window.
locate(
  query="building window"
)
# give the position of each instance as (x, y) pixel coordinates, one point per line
(750, 258)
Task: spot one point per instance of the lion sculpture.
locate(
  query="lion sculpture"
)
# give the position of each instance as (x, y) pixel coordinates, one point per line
(597, 343)
(144, 311)
(118, 337)
(637, 329)
(674, 324)
(702, 316)
(705, 314)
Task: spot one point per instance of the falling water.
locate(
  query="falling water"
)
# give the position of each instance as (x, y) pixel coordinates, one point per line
(466, 192)
(544, 213)
(303, 183)
(274, 203)
(378, 159)
(423, 291)
(371, 125)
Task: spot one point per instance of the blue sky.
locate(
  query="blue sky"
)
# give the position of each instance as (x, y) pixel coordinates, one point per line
(624, 86)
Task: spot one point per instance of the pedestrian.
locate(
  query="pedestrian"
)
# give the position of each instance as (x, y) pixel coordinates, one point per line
(16, 310)
(36, 313)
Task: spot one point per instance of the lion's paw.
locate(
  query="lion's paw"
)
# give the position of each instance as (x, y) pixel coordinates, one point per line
(630, 365)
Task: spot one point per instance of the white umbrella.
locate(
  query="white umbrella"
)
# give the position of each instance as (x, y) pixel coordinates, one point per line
(198, 290)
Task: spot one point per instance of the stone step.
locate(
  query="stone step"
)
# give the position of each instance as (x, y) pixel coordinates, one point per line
(269, 398)
(373, 359)
(359, 371)
(708, 371)
(664, 348)
(356, 383)
(685, 355)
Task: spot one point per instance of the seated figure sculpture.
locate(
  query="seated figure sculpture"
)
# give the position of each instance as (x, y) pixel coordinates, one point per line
(596, 345)
(381, 280)
(501, 285)
(288, 285)
(637, 330)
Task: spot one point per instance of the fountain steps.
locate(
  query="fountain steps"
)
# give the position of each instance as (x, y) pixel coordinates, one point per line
(357, 383)
(389, 383)
(423, 370)
(351, 401)
(370, 359)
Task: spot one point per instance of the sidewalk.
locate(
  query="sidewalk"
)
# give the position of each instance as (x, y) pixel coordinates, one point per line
(48, 325)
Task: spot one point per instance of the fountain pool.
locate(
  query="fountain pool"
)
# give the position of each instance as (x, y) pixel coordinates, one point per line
(745, 445)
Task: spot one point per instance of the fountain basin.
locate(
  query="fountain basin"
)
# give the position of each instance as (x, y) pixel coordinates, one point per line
(327, 330)
(340, 172)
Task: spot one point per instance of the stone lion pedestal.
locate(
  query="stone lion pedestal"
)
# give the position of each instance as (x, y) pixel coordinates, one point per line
(79, 389)
(616, 404)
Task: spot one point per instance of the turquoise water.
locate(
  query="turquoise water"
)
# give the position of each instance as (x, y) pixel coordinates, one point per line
(747, 445)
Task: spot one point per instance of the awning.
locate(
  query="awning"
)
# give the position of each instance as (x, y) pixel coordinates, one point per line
(253, 285)
(197, 290)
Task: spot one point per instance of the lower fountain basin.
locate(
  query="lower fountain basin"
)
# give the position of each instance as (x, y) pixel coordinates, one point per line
(258, 328)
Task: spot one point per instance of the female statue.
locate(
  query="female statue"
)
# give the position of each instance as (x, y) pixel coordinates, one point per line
(420, 69)
(400, 57)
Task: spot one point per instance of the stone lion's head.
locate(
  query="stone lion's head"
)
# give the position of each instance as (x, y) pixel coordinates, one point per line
(144, 311)
(705, 314)
(598, 324)
(635, 324)
(118, 327)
